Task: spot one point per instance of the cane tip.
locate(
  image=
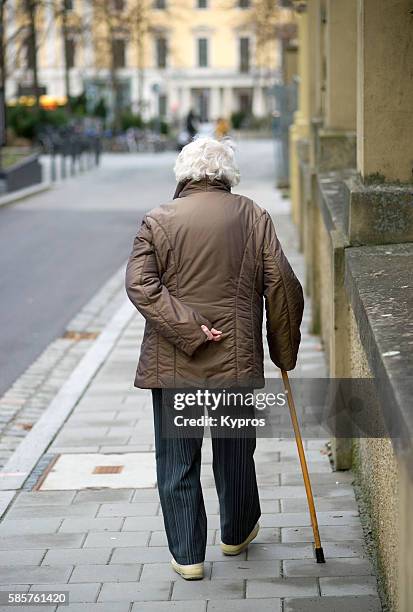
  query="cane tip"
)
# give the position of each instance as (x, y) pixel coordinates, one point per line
(319, 555)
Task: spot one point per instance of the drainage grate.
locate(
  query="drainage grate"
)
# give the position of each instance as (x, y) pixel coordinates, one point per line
(79, 335)
(108, 469)
(25, 426)
(40, 472)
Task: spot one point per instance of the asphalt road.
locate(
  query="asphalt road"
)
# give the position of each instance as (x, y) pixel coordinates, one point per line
(58, 248)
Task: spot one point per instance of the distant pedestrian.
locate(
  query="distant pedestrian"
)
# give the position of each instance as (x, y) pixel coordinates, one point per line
(200, 270)
(192, 124)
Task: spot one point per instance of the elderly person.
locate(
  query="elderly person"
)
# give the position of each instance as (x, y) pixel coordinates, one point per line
(202, 267)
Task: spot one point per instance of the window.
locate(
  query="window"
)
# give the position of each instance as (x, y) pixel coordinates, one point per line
(162, 103)
(70, 52)
(244, 54)
(244, 4)
(245, 102)
(118, 5)
(161, 52)
(202, 4)
(159, 4)
(202, 52)
(119, 55)
(68, 5)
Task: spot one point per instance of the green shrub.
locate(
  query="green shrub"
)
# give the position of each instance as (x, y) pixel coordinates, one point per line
(26, 121)
(260, 123)
(78, 105)
(159, 124)
(100, 109)
(238, 119)
(129, 119)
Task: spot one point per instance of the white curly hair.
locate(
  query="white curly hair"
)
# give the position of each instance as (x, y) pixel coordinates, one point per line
(207, 157)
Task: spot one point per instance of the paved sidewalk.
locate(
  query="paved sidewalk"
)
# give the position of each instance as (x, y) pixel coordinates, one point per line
(106, 544)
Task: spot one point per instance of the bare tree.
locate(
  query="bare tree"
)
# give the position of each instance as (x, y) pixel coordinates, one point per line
(70, 26)
(21, 33)
(66, 58)
(32, 48)
(2, 77)
(111, 31)
(140, 22)
(268, 21)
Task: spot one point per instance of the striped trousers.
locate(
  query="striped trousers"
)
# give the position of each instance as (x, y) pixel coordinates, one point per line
(178, 466)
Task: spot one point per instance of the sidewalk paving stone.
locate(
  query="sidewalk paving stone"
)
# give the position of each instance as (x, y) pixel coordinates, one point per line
(208, 589)
(298, 550)
(246, 569)
(116, 538)
(34, 573)
(282, 587)
(29, 526)
(135, 591)
(141, 554)
(76, 556)
(106, 573)
(14, 587)
(321, 504)
(327, 533)
(50, 511)
(268, 535)
(31, 608)
(42, 498)
(94, 607)
(351, 566)
(128, 509)
(42, 540)
(23, 557)
(348, 585)
(333, 604)
(74, 525)
(245, 605)
(288, 519)
(104, 495)
(144, 523)
(169, 606)
(77, 592)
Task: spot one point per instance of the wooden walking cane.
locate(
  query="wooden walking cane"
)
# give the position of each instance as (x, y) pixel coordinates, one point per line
(319, 554)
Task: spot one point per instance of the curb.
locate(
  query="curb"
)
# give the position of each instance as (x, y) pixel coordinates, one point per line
(32, 447)
(22, 194)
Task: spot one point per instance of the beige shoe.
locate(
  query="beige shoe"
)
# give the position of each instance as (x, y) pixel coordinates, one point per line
(189, 572)
(236, 549)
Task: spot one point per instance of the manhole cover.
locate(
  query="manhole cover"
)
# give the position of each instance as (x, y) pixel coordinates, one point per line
(88, 470)
(108, 469)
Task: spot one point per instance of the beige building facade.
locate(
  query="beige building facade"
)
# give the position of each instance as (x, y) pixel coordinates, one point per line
(166, 56)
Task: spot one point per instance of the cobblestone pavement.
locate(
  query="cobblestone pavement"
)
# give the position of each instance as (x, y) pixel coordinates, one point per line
(25, 401)
(106, 544)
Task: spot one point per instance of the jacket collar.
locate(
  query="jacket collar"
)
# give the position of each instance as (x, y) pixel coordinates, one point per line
(188, 186)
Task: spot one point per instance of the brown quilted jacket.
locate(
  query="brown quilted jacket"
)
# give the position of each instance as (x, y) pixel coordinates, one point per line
(211, 257)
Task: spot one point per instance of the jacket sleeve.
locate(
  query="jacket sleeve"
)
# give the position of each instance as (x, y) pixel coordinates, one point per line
(284, 301)
(175, 321)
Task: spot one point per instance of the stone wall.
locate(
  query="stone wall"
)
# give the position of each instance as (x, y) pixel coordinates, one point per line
(377, 470)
